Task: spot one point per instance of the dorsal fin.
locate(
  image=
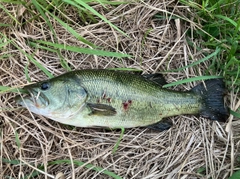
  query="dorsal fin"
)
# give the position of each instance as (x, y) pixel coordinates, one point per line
(156, 78)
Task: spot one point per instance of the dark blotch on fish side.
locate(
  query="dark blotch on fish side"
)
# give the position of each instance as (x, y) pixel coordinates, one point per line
(127, 104)
(109, 100)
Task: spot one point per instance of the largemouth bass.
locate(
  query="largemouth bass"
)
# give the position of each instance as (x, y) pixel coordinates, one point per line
(94, 98)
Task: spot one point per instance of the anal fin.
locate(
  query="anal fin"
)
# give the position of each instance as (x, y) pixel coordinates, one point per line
(163, 125)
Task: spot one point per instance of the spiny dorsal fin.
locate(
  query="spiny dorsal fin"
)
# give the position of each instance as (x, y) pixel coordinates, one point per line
(101, 109)
(156, 78)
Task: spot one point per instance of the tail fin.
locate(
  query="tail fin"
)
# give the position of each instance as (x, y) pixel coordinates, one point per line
(212, 94)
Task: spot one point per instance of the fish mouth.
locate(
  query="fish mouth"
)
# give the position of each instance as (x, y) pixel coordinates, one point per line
(36, 98)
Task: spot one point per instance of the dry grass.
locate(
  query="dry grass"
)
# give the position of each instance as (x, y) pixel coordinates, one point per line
(156, 45)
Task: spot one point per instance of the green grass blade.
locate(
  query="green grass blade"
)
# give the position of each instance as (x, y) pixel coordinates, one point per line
(36, 45)
(235, 175)
(89, 166)
(86, 6)
(70, 29)
(111, 2)
(39, 8)
(190, 80)
(83, 50)
(10, 15)
(17, 162)
(5, 56)
(5, 25)
(13, 162)
(119, 140)
(73, 32)
(227, 19)
(237, 115)
(4, 44)
(31, 59)
(197, 62)
(5, 89)
(17, 140)
(39, 66)
(58, 162)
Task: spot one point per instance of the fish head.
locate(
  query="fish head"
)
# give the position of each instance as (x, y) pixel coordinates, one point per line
(58, 98)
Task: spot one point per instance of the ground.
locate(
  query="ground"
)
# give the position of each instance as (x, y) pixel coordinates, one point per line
(158, 36)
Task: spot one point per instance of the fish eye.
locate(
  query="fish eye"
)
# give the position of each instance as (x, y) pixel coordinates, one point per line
(45, 86)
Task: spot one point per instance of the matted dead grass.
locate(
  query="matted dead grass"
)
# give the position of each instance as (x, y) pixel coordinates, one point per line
(156, 45)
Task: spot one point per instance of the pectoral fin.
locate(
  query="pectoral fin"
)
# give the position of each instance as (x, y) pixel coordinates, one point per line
(101, 109)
